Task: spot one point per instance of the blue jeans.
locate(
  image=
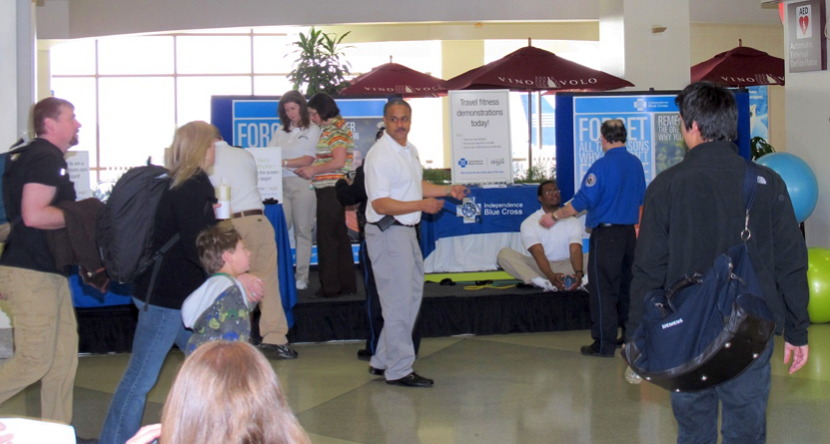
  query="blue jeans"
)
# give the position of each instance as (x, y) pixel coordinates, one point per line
(158, 328)
(743, 401)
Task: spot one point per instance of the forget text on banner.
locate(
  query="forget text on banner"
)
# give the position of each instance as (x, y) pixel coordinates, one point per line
(480, 127)
(653, 131)
(252, 121)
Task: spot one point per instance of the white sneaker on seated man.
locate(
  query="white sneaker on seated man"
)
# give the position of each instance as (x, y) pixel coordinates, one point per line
(556, 257)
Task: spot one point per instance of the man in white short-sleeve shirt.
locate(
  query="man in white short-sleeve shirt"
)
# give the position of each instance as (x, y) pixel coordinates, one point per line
(397, 195)
(555, 253)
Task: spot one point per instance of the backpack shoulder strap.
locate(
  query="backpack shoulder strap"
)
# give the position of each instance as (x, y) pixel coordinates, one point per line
(750, 186)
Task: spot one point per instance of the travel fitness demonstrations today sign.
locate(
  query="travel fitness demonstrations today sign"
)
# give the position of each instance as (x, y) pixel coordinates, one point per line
(480, 126)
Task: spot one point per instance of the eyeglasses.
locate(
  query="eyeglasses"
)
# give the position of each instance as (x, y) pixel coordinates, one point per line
(546, 192)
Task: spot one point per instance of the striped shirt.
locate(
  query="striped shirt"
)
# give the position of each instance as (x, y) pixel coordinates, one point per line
(334, 135)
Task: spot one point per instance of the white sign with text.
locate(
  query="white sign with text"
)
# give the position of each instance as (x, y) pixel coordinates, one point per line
(480, 128)
(269, 167)
(78, 162)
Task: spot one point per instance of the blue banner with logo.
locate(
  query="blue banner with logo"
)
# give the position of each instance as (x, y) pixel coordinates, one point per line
(250, 121)
(652, 122)
(502, 210)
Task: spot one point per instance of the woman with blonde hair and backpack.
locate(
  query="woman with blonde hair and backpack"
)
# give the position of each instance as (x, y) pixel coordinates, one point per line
(184, 210)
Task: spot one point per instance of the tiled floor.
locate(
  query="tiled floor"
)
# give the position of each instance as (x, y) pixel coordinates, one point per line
(522, 388)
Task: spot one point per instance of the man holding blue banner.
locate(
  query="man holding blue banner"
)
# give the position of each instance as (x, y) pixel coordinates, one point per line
(612, 193)
(692, 213)
(397, 195)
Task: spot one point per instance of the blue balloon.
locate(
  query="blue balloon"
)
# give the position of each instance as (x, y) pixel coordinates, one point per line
(800, 180)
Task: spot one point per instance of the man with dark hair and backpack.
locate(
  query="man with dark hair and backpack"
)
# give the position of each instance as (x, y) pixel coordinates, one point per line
(45, 328)
(692, 213)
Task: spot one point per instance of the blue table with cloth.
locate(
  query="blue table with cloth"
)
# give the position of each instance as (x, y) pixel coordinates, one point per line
(450, 245)
(86, 296)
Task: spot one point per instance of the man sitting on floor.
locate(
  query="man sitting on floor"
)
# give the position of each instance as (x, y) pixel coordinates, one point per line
(555, 253)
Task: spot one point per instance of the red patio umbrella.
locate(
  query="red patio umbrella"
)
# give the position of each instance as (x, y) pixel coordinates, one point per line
(392, 78)
(534, 69)
(741, 67)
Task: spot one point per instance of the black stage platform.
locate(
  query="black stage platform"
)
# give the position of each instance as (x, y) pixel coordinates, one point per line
(446, 310)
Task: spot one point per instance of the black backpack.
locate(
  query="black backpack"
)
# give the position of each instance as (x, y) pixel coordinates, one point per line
(124, 233)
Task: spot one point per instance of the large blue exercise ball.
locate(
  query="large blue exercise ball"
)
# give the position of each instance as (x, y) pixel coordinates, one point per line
(800, 180)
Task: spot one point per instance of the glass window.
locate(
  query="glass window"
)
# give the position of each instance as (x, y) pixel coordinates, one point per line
(213, 55)
(193, 94)
(273, 54)
(288, 30)
(271, 85)
(81, 92)
(136, 120)
(427, 132)
(218, 31)
(73, 58)
(424, 56)
(135, 55)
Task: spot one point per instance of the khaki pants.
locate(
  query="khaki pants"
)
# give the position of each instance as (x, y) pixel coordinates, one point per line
(258, 235)
(524, 267)
(45, 340)
(300, 206)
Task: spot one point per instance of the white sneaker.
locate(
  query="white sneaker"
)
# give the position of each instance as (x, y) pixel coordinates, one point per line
(302, 285)
(544, 284)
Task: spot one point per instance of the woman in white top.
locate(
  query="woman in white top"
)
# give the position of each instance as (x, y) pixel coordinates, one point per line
(297, 138)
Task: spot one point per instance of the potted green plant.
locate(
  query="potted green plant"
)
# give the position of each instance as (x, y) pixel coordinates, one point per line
(535, 174)
(758, 147)
(320, 66)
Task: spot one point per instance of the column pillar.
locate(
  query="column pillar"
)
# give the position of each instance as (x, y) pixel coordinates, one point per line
(646, 42)
(17, 89)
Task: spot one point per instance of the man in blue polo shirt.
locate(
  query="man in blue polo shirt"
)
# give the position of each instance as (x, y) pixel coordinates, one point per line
(612, 193)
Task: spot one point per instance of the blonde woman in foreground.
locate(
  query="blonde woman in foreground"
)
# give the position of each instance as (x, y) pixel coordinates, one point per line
(220, 380)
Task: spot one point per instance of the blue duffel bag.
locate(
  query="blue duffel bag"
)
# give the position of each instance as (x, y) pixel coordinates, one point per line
(704, 329)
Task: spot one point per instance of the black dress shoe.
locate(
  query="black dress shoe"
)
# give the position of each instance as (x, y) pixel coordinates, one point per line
(412, 380)
(376, 371)
(364, 354)
(593, 350)
(273, 351)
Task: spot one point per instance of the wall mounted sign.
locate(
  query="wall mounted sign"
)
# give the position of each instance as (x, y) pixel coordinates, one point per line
(806, 22)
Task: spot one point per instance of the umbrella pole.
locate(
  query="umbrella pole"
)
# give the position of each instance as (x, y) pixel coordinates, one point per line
(529, 131)
(539, 114)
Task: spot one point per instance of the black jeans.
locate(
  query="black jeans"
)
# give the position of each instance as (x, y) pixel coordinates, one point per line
(609, 281)
(334, 250)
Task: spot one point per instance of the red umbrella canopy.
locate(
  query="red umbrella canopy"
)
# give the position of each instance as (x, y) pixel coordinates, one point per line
(534, 69)
(392, 78)
(741, 66)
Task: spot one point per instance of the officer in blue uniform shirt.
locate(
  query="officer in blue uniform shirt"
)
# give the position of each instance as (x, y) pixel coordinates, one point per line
(612, 193)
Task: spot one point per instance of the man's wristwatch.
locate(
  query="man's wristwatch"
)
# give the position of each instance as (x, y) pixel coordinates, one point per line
(553, 216)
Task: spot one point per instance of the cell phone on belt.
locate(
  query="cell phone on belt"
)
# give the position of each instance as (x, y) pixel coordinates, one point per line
(386, 222)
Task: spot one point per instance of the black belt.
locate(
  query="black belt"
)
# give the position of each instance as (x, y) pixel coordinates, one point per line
(247, 213)
(393, 223)
(614, 225)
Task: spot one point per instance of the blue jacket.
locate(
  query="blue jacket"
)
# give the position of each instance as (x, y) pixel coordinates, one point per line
(613, 190)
